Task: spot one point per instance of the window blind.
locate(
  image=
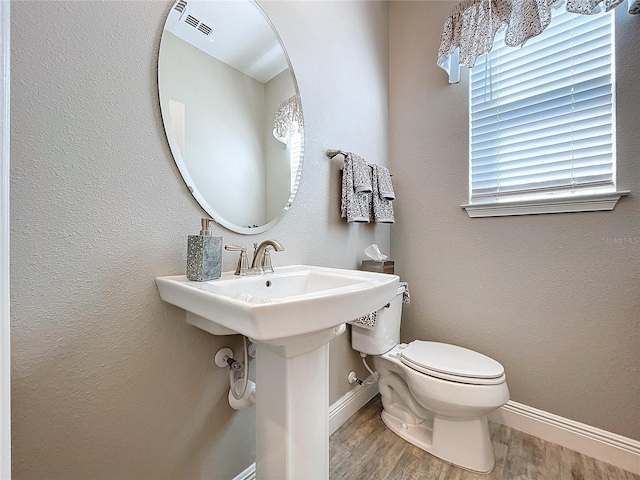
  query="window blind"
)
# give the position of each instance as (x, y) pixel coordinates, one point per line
(295, 154)
(542, 116)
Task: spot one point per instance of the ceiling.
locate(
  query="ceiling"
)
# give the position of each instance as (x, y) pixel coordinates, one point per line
(235, 32)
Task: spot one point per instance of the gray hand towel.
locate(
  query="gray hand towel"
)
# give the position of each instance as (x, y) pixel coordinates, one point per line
(361, 175)
(382, 207)
(406, 296)
(355, 206)
(384, 184)
(368, 321)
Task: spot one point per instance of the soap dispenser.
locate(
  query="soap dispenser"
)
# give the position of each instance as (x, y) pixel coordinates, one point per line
(204, 254)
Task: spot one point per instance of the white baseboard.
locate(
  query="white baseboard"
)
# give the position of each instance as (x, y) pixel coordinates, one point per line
(339, 412)
(350, 403)
(608, 447)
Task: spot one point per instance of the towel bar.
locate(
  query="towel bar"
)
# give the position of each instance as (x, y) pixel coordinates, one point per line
(332, 153)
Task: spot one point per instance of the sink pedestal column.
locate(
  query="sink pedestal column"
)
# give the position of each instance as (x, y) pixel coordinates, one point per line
(292, 411)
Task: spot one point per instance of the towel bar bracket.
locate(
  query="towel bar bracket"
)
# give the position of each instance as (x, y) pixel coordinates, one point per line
(333, 153)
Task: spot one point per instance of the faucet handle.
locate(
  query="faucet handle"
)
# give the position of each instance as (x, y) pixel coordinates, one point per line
(241, 268)
(265, 263)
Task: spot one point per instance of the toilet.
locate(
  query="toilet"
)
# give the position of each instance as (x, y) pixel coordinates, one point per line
(434, 395)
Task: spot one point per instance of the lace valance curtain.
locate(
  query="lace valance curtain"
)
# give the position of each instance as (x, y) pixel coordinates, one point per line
(288, 119)
(470, 29)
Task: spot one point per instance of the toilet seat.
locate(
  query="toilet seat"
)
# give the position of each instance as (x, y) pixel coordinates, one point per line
(453, 363)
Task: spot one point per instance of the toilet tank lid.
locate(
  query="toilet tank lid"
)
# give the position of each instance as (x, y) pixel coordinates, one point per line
(452, 360)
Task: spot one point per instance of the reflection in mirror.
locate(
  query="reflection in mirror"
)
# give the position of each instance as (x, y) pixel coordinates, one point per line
(231, 111)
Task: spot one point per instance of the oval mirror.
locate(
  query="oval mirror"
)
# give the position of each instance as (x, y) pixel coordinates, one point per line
(231, 111)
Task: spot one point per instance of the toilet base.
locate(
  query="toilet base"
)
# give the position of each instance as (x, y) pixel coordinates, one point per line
(462, 442)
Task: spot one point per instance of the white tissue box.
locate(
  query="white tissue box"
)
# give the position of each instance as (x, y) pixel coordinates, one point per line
(383, 266)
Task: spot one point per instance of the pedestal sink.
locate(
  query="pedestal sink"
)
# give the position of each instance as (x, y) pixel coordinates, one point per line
(291, 315)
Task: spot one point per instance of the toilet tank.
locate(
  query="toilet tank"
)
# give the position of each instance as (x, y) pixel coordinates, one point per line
(386, 333)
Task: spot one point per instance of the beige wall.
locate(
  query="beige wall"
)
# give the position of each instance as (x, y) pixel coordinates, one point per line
(555, 298)
(107, 380)
(224, 123)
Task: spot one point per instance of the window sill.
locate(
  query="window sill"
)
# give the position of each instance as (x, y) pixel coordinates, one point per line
(584, 203)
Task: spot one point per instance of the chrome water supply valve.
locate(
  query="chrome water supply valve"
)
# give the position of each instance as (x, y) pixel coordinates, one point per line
(234, 364)
(242, 391)
(222, 357)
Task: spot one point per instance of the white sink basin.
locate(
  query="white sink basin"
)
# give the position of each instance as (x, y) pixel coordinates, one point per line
(291, 316)
(294, 300)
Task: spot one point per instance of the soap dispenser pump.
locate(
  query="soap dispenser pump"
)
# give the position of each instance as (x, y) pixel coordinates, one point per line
(204, 254)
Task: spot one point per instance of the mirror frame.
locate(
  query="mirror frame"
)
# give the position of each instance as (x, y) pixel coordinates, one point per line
(182, 167)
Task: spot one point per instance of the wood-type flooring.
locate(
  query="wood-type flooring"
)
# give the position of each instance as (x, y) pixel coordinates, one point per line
(365, 449)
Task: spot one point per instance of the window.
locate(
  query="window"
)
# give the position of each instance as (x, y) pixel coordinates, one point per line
(542, 120)
(295, 153)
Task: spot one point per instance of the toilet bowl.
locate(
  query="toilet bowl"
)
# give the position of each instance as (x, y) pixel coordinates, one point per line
(434, 395)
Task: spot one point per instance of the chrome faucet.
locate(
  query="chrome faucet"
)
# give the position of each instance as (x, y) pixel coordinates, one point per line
(261, 262)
